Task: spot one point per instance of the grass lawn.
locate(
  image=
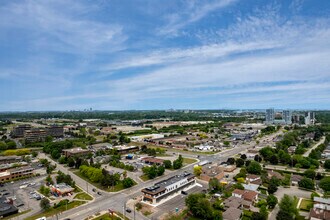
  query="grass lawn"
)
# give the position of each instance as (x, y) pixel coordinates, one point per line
(144, 177)
(53, 211)
(83, 196)
(116, 188)
(189, 160)
(306, 205)
(107, 217)
(16, 215)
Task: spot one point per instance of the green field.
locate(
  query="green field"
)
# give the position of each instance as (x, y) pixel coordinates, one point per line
(306, 205)
(189, 160)
(53, 211)
(83, 196)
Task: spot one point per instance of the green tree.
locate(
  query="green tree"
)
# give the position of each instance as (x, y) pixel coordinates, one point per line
(160, 170)
(71, 162)
(197, 170)
(167, 164)
(199, 206)
(44, 203)
(254, 168)
(271, 201)
(128, 182)
(214, 185)
(273, 184)
(62, 160)
(240, 162)
(306, 183)
(325, 184)
(288, 208)
(327, 164)
(310, 174)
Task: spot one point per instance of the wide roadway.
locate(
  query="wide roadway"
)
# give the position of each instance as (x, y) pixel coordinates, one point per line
(115, 201)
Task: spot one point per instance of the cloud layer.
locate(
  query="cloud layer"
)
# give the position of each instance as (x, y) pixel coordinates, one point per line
(62, 55)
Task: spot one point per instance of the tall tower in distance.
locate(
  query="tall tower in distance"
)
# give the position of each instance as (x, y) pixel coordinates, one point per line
(270, 116)
(287, 116)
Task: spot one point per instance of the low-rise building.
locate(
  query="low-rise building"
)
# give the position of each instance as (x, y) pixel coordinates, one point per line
(272, 173)
(295, 179)
(152, 161)
(35, 135)
(209, 172)
(247, 195)
(227, 168)
(78, 151)
(123, 149)
(62, 189)
(19, 130)
(55, 131)
(232, 214)
(15, 173)
(253, 179)
(251, 153)
(6, 208)
(168, 187)
(10, 159)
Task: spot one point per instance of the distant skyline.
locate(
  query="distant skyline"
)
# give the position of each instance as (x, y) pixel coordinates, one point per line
(149, 54)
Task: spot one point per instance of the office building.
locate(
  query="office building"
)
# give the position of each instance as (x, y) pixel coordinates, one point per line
(168, 187)
(270, 116)
(76, 152)
(55, 131)
(10, 159)
(18, 131)
(35, 135)
(287, 117)
(15, 173)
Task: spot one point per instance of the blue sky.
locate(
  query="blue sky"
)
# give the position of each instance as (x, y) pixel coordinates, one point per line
(153, 54)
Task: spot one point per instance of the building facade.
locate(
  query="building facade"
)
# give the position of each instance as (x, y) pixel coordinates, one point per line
(168, 187)
(15, 173)
(55, 131)
(270, 116)
(35, 135)
(19, 130)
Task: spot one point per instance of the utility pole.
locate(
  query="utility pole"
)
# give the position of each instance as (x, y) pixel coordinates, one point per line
(134, 211)
(87, 186)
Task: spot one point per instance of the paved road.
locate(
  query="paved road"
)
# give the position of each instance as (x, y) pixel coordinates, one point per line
(321, 141)
(116, 201)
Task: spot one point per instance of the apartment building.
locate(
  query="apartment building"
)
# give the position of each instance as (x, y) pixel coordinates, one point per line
(168, 187)
(10, 159)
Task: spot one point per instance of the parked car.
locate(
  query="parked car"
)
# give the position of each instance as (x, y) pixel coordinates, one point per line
(94, 190)
(99, 193)
(128, 210)
(184, 192)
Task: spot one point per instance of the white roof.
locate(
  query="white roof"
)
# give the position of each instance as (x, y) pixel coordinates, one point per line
(252, 187)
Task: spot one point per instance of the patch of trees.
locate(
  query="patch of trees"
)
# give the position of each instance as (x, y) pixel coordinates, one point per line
(7, 144)
(178, 163)
(288, 208)
(268, 130)
(306, 183)
(201, 207)
(55, 148)
(65, 178)
(254, 167)
(325, 184)
(151, 151)
(153, 171)
(103, 177)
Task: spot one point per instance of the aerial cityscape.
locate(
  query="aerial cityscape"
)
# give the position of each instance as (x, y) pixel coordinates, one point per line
(165, 110)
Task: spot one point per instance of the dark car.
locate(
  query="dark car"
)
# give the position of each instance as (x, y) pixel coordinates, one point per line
(184, 193)
(128, 210)
(6, 193)
(99, 193)
(94, 190)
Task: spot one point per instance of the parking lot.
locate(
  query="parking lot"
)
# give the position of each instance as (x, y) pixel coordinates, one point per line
(178, 202)
(24, 193)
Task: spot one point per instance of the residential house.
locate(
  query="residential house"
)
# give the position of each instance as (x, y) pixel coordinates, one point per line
(232, 214)
(209, 172)
(272, 173)
(253, 179)
(295, 179)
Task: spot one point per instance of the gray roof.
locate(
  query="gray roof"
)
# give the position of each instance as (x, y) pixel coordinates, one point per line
(322, 200)
(232, 214)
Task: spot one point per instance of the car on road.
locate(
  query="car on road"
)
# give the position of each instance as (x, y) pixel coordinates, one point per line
(94, 190)
(184, 192)
(99, 193)
(128, 210)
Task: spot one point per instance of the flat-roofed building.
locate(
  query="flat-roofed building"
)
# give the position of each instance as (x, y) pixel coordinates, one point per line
(35, 135)
(15, 173)
(209, 172)
(152, 161)
(123, 149)
(19, 130)
(78, 151)
(10, 159)
(168, 187)
(62, 189)
(55, 131)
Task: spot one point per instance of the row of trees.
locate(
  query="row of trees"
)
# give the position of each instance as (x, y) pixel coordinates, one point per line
(153, 171)
(7, 144)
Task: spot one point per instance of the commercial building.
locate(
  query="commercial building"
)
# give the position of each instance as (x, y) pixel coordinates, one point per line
(75, 152)
(6, 208)
(62, 189)
(168, 187)
(209, 172)
(19, 130)
(35, 135)
(152, 161)
(123, 149)
(55, 131)
(10, 159)
(15, 173)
